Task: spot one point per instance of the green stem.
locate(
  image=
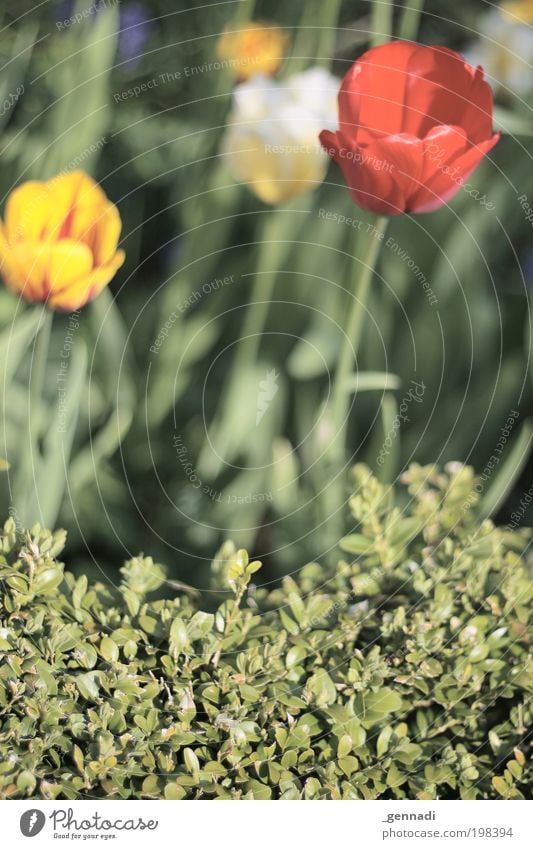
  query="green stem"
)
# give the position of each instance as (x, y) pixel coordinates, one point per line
(24, 481)
(256, 314)
(381, 26)
(410, 21)
(352, 338)
(277, 229)
(315, 36)
(245, 12)
(38, 375)
(328, 31)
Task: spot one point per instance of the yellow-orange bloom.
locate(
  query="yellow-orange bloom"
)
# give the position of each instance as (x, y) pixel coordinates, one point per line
(58, 242)
(254, 48)
(519, 10)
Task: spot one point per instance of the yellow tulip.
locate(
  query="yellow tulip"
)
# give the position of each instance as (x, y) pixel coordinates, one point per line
(519, 10)
(254, 48)
(58, 243)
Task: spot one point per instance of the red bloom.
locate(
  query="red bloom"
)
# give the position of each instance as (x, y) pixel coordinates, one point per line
(414, 123)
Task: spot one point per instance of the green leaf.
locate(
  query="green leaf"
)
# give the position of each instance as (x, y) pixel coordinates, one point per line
(349, 765)
(295, 655)
(372, 707)
(384, 450)
(512, 123)
(79, 591)
(26, 782)
(356, 544)
(370, 381)
(112, 365)
(109, 650)
(315, 353)
(14, 342)
(322, 688)
(179, 638)
(382, 744)
(200, 625)
(174, 792)
(80, 114)
(404, 530)
(345, 746)
(394, 777)
(47, 580)
(191, 761)
(77, 757)
(48, 482)
(501, 786)
(509, 472)
(87, 684)
(258, 790)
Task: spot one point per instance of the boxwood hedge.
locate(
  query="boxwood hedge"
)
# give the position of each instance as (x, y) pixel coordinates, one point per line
(402, 674)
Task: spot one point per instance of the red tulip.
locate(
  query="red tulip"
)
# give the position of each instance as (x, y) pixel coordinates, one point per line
(414, 123)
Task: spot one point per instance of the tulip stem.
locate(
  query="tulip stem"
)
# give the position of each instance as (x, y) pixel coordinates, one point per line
(352, 339)
(37, 375)
(381, 25)
(332, 491)
(315, 35)
(275, 241)
(244, 13)
(24, 482)
(328, 32)
(412, 12)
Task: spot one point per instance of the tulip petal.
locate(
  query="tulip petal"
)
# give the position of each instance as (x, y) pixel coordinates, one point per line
(80, 202)
(32, 261)
(372, 93)
(400, 87)
(8, 267)
(477, 119)
(27, 210)
(77, 188)
(107, 233)
(43, 267)
(371, 179)
(82, 291)
(452, 173)
(70, 261)
(441, 146)
(444, 89)
(382, 173)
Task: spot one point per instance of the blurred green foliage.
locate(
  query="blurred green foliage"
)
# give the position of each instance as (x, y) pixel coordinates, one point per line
(402, 673)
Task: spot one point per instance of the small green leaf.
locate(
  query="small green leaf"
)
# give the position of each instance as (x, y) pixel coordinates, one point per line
(356, 544)
(109, 650)
(179, 638)
(345, 746)
(191, 761)
(501, 786)
(322, 688)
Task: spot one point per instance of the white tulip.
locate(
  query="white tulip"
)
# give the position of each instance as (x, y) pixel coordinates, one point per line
(505, 51)
(271, 141)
